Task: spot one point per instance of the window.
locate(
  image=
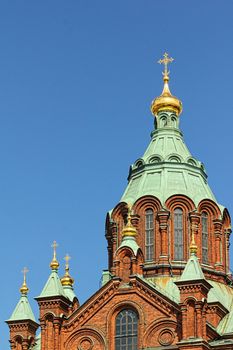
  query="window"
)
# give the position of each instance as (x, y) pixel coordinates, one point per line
(149, 235)
(204, 225)
(126, 330)
(178, 234)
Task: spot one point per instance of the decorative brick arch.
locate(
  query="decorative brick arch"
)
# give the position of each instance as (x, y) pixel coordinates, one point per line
(86, 338)
(182, 201)
(162, 332)
(211, 207)
(48, 315)
(213, 221)
(120, 210)
(226, 218)
(147, 202)
(18, 342)
(140, 207)
(127, 263)
(186, 205)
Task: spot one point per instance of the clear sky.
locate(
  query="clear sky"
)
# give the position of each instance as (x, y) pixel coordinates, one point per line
(76, 82)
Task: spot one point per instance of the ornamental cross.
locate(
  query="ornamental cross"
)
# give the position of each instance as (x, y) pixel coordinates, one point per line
(54, 246)
(24, 271)
(166, 60)
(67, 259)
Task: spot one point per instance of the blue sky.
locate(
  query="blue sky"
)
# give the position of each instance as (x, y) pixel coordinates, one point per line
(76, 82)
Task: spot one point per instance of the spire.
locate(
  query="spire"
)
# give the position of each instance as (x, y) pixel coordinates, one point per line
(129, 233)
(67, 281)
(129, 230)
(53, 286)
(54, 263)
(193, 246)
(166, 101)
(23, 309)
(24, 289)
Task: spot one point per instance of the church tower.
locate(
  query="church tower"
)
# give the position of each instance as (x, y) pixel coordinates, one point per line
(168, 284)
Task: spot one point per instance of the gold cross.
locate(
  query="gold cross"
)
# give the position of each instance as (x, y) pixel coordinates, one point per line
(67, 259)
(54, 246)
(166, 60)
(24, 271)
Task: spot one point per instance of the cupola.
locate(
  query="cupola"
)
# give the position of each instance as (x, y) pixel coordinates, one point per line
(166, 101)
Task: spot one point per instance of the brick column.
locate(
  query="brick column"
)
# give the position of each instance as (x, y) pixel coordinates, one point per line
(204, 335)
(218, 239)
(114, 248)
(134, 266)
(163, 217)
(43, 335)
(56, 333)
(184, 321)
(228, 233)
(198, 309)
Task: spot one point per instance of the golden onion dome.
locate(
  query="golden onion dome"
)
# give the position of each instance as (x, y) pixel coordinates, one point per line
(166, 101)
(67, 280)
(24, 288)
(129, 229)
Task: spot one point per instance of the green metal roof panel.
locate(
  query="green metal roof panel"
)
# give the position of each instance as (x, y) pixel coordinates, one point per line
(219, 293)
(22, 310)
(192, 270)
(53, 286)
(131, 243)
(167, 168)
(69, 293)
(166, 286)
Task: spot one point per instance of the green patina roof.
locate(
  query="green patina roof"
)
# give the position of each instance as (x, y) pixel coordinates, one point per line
(167, 168)
(22, 310)
(131, 243)
(192, 270)
(53, 286)
(219, 293)
(69, 292)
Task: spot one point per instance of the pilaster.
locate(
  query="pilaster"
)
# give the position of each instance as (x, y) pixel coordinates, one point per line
(218, 244)
(163, 217)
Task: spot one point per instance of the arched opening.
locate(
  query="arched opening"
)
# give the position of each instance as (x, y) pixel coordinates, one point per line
(126, 332)
(18, 343)
(178, 234)
(149, 235)
(163, 121)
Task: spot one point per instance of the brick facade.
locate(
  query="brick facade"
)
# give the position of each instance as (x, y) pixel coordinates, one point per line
(168, 312)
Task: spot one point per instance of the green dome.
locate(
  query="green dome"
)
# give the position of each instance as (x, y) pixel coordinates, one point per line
(167, 167)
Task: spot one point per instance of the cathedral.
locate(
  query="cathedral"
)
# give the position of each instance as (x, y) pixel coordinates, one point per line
(168, 283)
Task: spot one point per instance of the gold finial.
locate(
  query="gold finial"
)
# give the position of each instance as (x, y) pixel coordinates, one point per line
(166, 101)
(67, 259)
(67, 280)
(24, 289)
(193, 246)
(54, 263)
(166, 60)
(129, 229)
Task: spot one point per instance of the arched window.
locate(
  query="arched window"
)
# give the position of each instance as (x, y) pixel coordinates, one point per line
(149, 235)
(178, 234)
(204, 226)
(126, 330)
